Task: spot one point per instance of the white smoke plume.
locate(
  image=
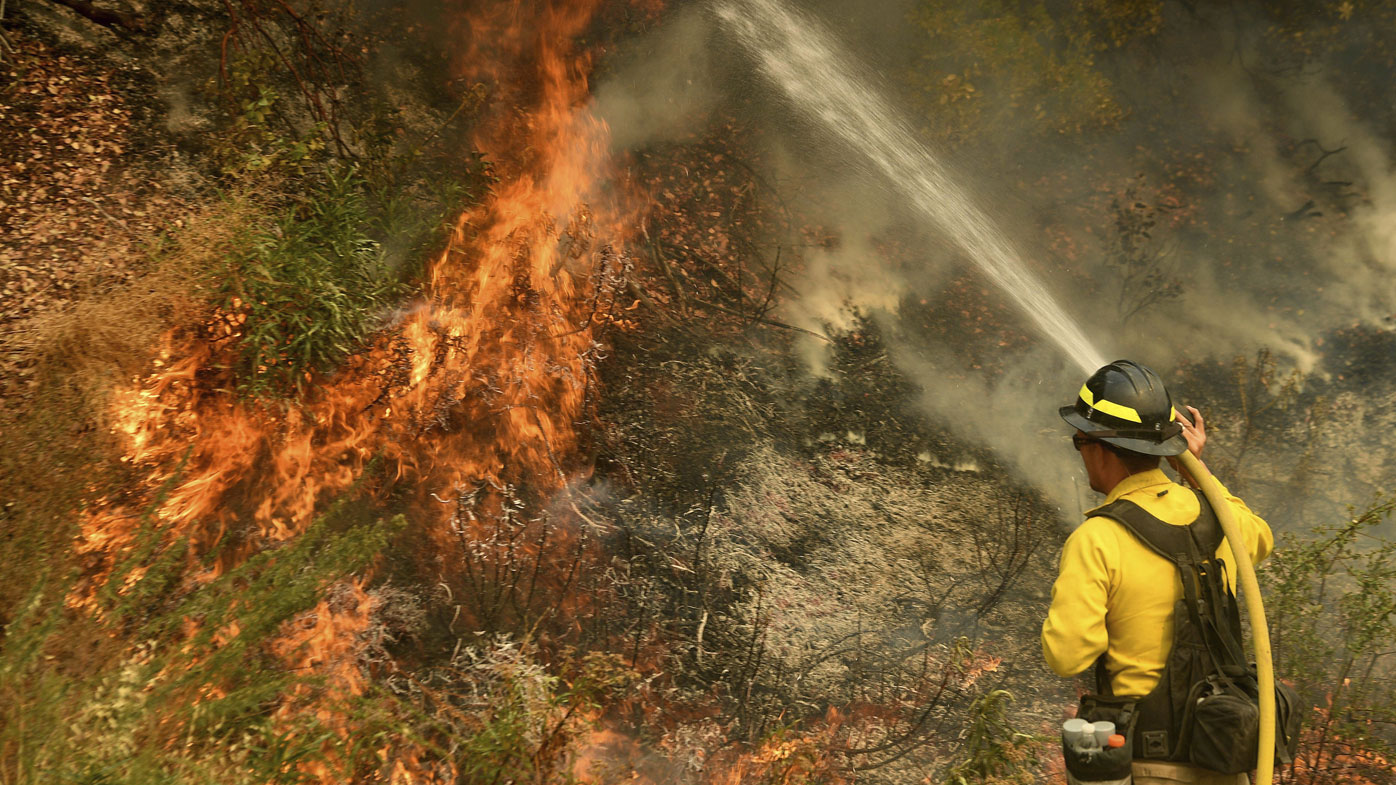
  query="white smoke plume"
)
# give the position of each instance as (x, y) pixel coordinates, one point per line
(1334, 267)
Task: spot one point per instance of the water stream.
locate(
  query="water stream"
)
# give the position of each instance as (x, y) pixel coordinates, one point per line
(805, 61)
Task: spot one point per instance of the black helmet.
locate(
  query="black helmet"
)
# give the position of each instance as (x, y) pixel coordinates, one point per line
(1126, 404)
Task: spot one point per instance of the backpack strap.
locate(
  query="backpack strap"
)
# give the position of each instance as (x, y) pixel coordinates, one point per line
(1192, 550)
(1174, 543)
(1215, 611)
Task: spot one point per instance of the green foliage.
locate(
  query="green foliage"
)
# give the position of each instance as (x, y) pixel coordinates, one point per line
(994, 752)
(171, 682)
(254, 135)
(308, 286)
(984, 59)
(321, 270)
(525, 719)
(1331, 606)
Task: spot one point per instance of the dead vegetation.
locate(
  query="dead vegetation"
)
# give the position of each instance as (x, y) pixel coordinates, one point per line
(753, 574)
(80, 203)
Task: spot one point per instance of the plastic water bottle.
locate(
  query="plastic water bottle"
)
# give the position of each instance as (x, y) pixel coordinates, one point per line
(1083, 740)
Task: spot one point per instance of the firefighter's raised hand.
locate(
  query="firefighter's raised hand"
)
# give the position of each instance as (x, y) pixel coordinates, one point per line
(1195, 432)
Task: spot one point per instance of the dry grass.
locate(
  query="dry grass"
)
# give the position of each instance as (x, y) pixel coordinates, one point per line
(107, 336)
(55, 430)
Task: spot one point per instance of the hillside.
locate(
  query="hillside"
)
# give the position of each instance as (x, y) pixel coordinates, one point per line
(529, 392)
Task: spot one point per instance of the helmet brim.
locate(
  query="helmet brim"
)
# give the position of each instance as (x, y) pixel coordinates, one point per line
(1174, 445)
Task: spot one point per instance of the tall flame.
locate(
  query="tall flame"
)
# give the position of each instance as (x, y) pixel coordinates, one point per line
(481, 384)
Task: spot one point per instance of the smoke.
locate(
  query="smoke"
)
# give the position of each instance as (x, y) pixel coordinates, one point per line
(663, 87)
(1361, 261)
(1272, 242)
(1013, 415)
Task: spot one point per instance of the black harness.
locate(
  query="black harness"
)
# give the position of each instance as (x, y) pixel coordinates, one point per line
(1206, 625)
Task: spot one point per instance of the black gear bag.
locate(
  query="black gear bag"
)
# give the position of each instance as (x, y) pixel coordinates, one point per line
(1205, 708)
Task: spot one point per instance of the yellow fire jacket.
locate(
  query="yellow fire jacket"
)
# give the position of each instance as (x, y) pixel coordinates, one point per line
(1114, 596)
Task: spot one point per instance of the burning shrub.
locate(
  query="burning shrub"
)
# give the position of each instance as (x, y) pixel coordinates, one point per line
(495, 713)
(791, 757)
(526, 722)
(182, 682)
(522, 715)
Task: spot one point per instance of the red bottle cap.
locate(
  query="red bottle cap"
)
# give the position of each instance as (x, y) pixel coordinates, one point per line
(1116, 740)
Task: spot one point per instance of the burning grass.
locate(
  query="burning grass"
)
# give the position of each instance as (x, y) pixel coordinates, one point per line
(472, 393)
(572, 510)
(179, 685)
(242, 625)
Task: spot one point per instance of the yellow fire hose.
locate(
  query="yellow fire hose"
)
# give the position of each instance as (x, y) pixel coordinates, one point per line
(1250, 589)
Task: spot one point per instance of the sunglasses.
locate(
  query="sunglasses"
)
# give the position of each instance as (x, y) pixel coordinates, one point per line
(1078, 441)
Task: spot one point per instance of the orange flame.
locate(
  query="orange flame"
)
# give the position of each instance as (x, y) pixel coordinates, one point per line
(482, 383)
(497, 356)
(786, 758)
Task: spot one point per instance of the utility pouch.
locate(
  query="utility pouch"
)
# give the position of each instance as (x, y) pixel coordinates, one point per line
(1287, 720)
(1223, 723)
(1222, 727)
(1108, 764)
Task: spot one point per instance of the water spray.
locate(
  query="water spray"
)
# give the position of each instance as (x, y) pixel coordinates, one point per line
(804, 60)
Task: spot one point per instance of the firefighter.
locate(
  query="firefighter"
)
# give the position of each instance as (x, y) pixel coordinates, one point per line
(1113, 602)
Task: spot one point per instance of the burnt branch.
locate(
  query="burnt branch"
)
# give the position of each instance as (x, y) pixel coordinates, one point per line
(768, 322)
(769, 301)
(1005, 550)
(669, 274)
(1143, 262)
(1324, 154)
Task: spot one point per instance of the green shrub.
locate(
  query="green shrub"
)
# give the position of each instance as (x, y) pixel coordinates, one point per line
(307, 287)
(311, 280)
(1331, 608)
(994, 752)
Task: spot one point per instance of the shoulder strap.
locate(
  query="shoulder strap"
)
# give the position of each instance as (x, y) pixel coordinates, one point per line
(1174, 543)
(1192, 549)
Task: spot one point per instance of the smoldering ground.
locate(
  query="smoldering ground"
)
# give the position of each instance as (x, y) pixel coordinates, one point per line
(1236, 198)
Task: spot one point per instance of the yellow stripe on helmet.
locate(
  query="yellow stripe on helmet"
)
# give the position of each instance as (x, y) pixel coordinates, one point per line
(1110, 407)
